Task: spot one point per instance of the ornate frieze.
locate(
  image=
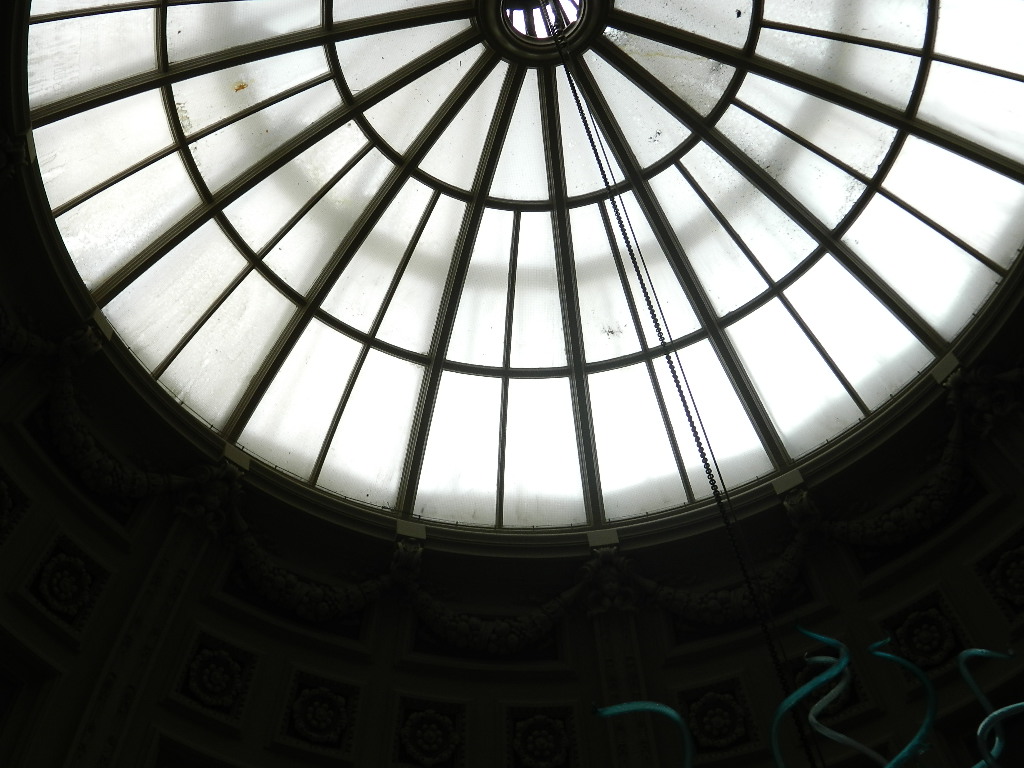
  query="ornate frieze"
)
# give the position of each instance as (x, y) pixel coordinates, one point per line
(216, 677)
(320, 715)
(926, 633)
(68, 583)
(719, 718)
(431, 734)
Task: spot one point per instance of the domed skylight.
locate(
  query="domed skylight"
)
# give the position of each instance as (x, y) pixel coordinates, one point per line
(369, 242)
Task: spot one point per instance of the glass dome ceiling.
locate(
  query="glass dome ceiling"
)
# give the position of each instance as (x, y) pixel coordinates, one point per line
(369, 242)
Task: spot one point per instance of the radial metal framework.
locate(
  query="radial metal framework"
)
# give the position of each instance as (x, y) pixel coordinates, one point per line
(820, 205)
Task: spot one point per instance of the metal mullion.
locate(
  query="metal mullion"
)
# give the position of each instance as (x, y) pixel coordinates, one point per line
(506, 363)
(593, 498)
(873, 185)
(807, 83)
(620, 269)
(93, 11)
(454, 284)
(343, 254)
(374, 327)
(782, 198)
(685, 274)
(262, 49)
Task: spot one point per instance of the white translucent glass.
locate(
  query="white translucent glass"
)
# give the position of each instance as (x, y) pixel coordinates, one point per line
(409, 321)
(582, 173)
(69, 57)
(204, 100)
(460, 465)
(824, 189)
(264, 209)
(366, 60)
(679, 318)
(652, 131)
(638, 472)
(224, 154)
(214, 369)
(105, 231)
(355, 9)
(40, 7)
(775, 239)
(895, 21)
(542, 468)
(979, 205)
(985, 108)
(943, 283)
(608, 329)
(301, 254)
(201, 28)
(726, 22)
(698, 81)
(985, 31)
(367, 454)
(455, 157)
(521, 172)
(158, 308)
(76, 153)
(805, 401)
(876, 354)
(537, 336)
(479, 332)
(290, 423)
(885, 76)
(736, 447)
(356, 297)
(856, 140)
(400, 117)
(726, 274)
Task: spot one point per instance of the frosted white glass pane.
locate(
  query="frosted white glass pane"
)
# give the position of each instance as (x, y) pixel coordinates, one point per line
(105, 231)
(679, 318)
(301, 254)
(460, 466)
(409, 321)
(804, 399)
(368, 451)
(985, 31)
(40, 7)
(896, 21)
(214, 369)
(224, 154)
(979, 205)
(542, 468)
(201, 28)
(355, 9)
(537, 338)
(157, 310)
(652, 131)
(357, 296)
(290, 423)
(943, 283)
(261, 212)
(698, 81)
(479, 332)
(400, 117)
(985, 108)
(727, 275)
(719, 21)
(885, 76)
(69, 57)
(77, 153)
(608, 329)
(875, 352)
(521, 173)
(825, 191)
(202, 101)
(638, 471)
(368, 59)
(455, 157)
(582, 173)
(854, 139)
(739, 452)
(775, 239)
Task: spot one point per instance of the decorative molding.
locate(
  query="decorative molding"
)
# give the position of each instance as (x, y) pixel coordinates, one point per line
(719, 717)
(926, 633)
(1002, 573)
(13, 504)
(68, 583)
(431, 734)
(217, 677)
(320, 715)
(541, 738)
